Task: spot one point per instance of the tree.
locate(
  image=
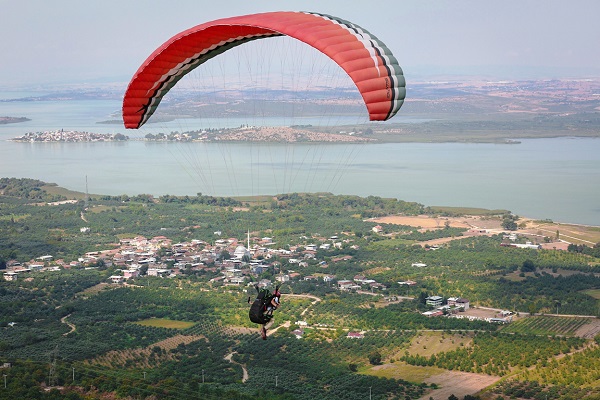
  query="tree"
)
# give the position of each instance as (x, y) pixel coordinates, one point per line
(509, 224)
(375, 358)
(528, 266)
(423, 297)
(452, 397)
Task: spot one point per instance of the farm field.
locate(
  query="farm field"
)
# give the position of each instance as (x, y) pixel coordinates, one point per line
(165, 323)
(448, 382)
(595, 293)
(551, 325)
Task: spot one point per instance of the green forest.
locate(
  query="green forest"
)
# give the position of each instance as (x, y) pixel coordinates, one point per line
(66, 331)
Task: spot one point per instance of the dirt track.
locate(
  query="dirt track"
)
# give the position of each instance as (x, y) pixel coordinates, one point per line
(64, 321)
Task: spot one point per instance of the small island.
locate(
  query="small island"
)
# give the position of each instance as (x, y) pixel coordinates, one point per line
(69, 136)
(13, 120)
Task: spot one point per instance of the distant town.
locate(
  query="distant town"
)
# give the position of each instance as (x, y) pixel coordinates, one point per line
(69, 136)
(239, 134)
(247, 133)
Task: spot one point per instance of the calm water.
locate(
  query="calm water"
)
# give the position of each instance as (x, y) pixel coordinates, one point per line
(543, 178)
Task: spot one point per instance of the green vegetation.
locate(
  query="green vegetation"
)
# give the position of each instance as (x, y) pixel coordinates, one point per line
(163, 337)
(545, 325)
(498, 354)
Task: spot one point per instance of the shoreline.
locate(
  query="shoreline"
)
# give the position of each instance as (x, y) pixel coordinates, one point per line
(286, 135)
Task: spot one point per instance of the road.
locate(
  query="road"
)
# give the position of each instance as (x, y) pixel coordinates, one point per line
(315, 300)
(64, 321)
(229, 357)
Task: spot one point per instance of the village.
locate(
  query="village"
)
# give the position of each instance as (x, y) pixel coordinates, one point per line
(231, 262)
(62, 135)
(248, 133)
(225, 261)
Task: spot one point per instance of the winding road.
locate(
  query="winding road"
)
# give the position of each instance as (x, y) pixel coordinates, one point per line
(64, 321)
(229, 357)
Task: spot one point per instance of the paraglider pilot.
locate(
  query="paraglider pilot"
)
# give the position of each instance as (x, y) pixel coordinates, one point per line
(261, 311)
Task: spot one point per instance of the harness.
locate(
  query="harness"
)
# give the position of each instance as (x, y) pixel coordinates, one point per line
(258, 310)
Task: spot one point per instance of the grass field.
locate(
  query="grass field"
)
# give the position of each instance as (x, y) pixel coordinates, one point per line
(401, 370)
(91, 291)
(449, 382)
(467, 211)
(428, 343)
(14, 217)
(69, 194)
(595, 293)
(165, 323)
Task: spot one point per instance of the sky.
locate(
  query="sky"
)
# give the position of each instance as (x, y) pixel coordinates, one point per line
(94, 41)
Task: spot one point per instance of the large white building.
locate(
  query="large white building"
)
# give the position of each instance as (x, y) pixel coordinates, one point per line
(240, 252)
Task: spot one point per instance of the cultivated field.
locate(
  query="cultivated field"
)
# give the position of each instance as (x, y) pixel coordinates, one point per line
(165, 323)
(449, 382)
(146, 357)
(567, 233)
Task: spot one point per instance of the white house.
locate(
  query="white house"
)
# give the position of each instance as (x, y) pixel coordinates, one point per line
(345, 284)
(10, 276)
(117, 279)
(434, 301)
(462, 303)
(36, 267)
(298, 333)
(158, 272)
(355, 335)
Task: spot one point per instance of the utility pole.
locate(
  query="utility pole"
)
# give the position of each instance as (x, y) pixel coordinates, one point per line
(52, 373)
(144, 375)
(73, 374)
(202, 376)
(275, 380)
(4, 380)
(369, 392)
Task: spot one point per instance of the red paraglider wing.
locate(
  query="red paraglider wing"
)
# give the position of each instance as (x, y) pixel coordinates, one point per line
(367, 61)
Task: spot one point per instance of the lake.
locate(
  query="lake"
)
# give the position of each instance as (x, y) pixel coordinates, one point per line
(557, 179)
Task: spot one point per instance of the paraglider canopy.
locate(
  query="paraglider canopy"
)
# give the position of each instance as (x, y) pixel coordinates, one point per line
(368, 62)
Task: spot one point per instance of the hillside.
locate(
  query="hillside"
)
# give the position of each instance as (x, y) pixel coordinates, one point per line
(147, 297)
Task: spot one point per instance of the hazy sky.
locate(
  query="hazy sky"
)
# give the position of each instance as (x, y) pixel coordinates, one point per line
(62, 41)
